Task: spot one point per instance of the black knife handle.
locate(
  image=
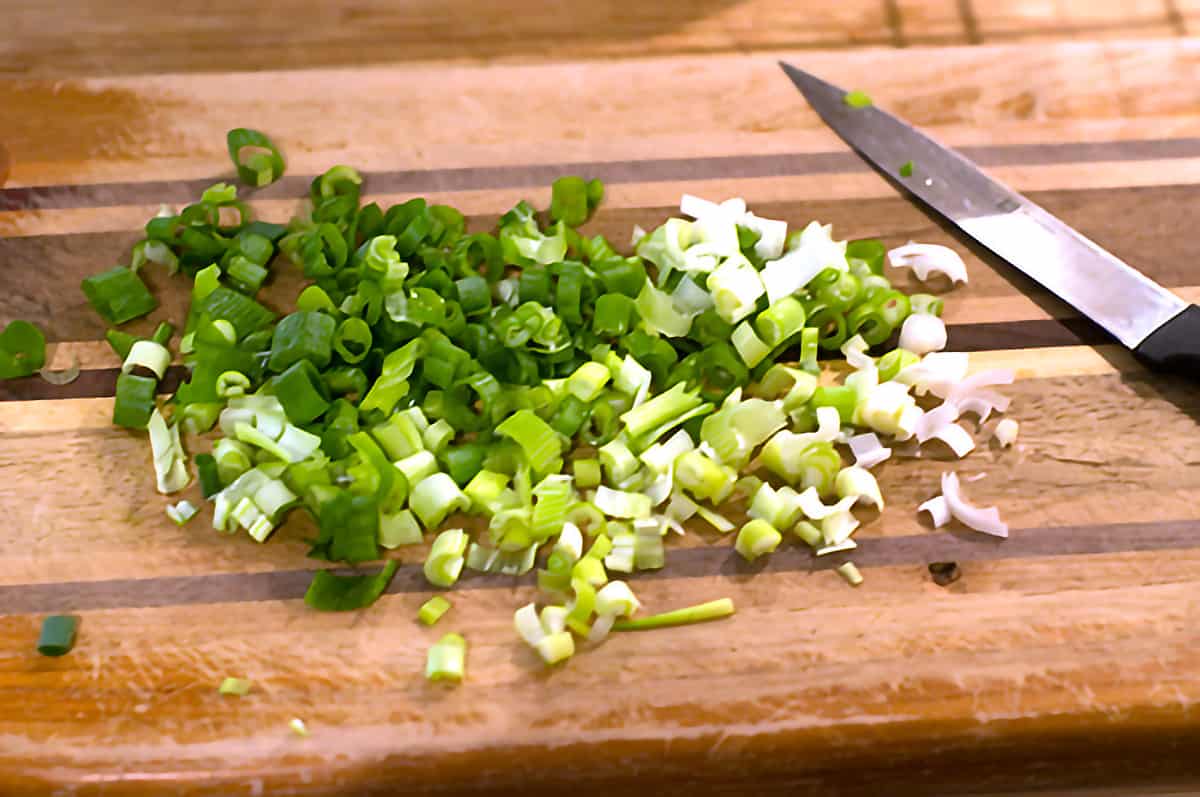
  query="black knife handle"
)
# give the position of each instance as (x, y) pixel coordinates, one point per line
(1175, 346)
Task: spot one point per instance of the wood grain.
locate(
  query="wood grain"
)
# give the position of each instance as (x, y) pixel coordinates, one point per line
(81, 38)
(1064, 658)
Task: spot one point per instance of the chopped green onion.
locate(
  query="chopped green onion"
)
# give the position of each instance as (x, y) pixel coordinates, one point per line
(555, 648)
(925, 304)
(588, 381)
(118, 295)
(658, 312)
(624, 549)
(333, 593)
(661, 413)
(618, 461)
(848, 571)
(134, 401)
(232, 383)
(264, 164)
(399, 528)
(703, 478)
(235, 686)
(301, 391)
(619, 504)
(446, 660)
(435, 497)
(446, 558)
(170, 461)
(206, 470)
(58, 635)
(857, 99)
(437, 435)
(298, 727)
(736, 287)
(749, 346)
(22, 350)
(616, 598)
(906, 169)
(717, 521)
(302, 335)
(570, 200)
(860, 483)
(587, 473)
(700, 613)
(756, 538)
(433, 609)
(541, 444)
(808, 532)
(181, 512)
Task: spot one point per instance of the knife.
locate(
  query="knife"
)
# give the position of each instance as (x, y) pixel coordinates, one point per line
(1157, 325)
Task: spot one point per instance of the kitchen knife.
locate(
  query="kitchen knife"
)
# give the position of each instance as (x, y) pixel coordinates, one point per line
(1156, 324)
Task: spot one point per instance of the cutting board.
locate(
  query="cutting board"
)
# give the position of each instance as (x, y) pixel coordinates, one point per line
(1064, 655)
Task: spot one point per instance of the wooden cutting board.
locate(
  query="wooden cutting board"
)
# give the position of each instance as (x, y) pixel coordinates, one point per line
(1064, 655)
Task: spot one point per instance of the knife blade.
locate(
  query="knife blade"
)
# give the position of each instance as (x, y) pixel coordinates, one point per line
(1144, 316)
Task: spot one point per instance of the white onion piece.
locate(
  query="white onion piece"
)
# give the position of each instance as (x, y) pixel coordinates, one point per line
(972, 384)
(977, 405)
(958, 438)
(528, 624)
(838, 527)
(1006, 432)
(926, 259)
(735, 207)
(64, 377)
(772, 235)
(671, 524)
(923, 333)
(907, 423)
(938, 372)
(810, 504)
(932, 421)
(855, 351)
(868, 451)
(600, 628)
(939, 511)
(844, 545)
(986, 520)
(659, 490)
(696, 207)
(638, 235)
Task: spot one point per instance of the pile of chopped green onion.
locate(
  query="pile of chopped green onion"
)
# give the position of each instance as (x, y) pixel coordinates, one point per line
(580, 401)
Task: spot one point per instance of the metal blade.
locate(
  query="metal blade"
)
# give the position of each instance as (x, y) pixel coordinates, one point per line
(1123, 301)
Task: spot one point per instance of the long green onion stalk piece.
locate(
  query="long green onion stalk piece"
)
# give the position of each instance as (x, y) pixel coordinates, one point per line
(700, 613)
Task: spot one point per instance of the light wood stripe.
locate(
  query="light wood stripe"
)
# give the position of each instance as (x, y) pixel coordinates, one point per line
(717, 561)
(114, 527)
(1150, 154)
(65, 260)
(747, 107)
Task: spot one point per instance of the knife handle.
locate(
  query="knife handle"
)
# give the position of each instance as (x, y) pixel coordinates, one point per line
(1175, 346)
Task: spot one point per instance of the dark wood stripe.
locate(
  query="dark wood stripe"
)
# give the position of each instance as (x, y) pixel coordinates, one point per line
(1032, 334)
(916, 550)
(1175, 18)
(1128, 221)
(654, 170)
(97, 383)
(895, 21)
(970, 22)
